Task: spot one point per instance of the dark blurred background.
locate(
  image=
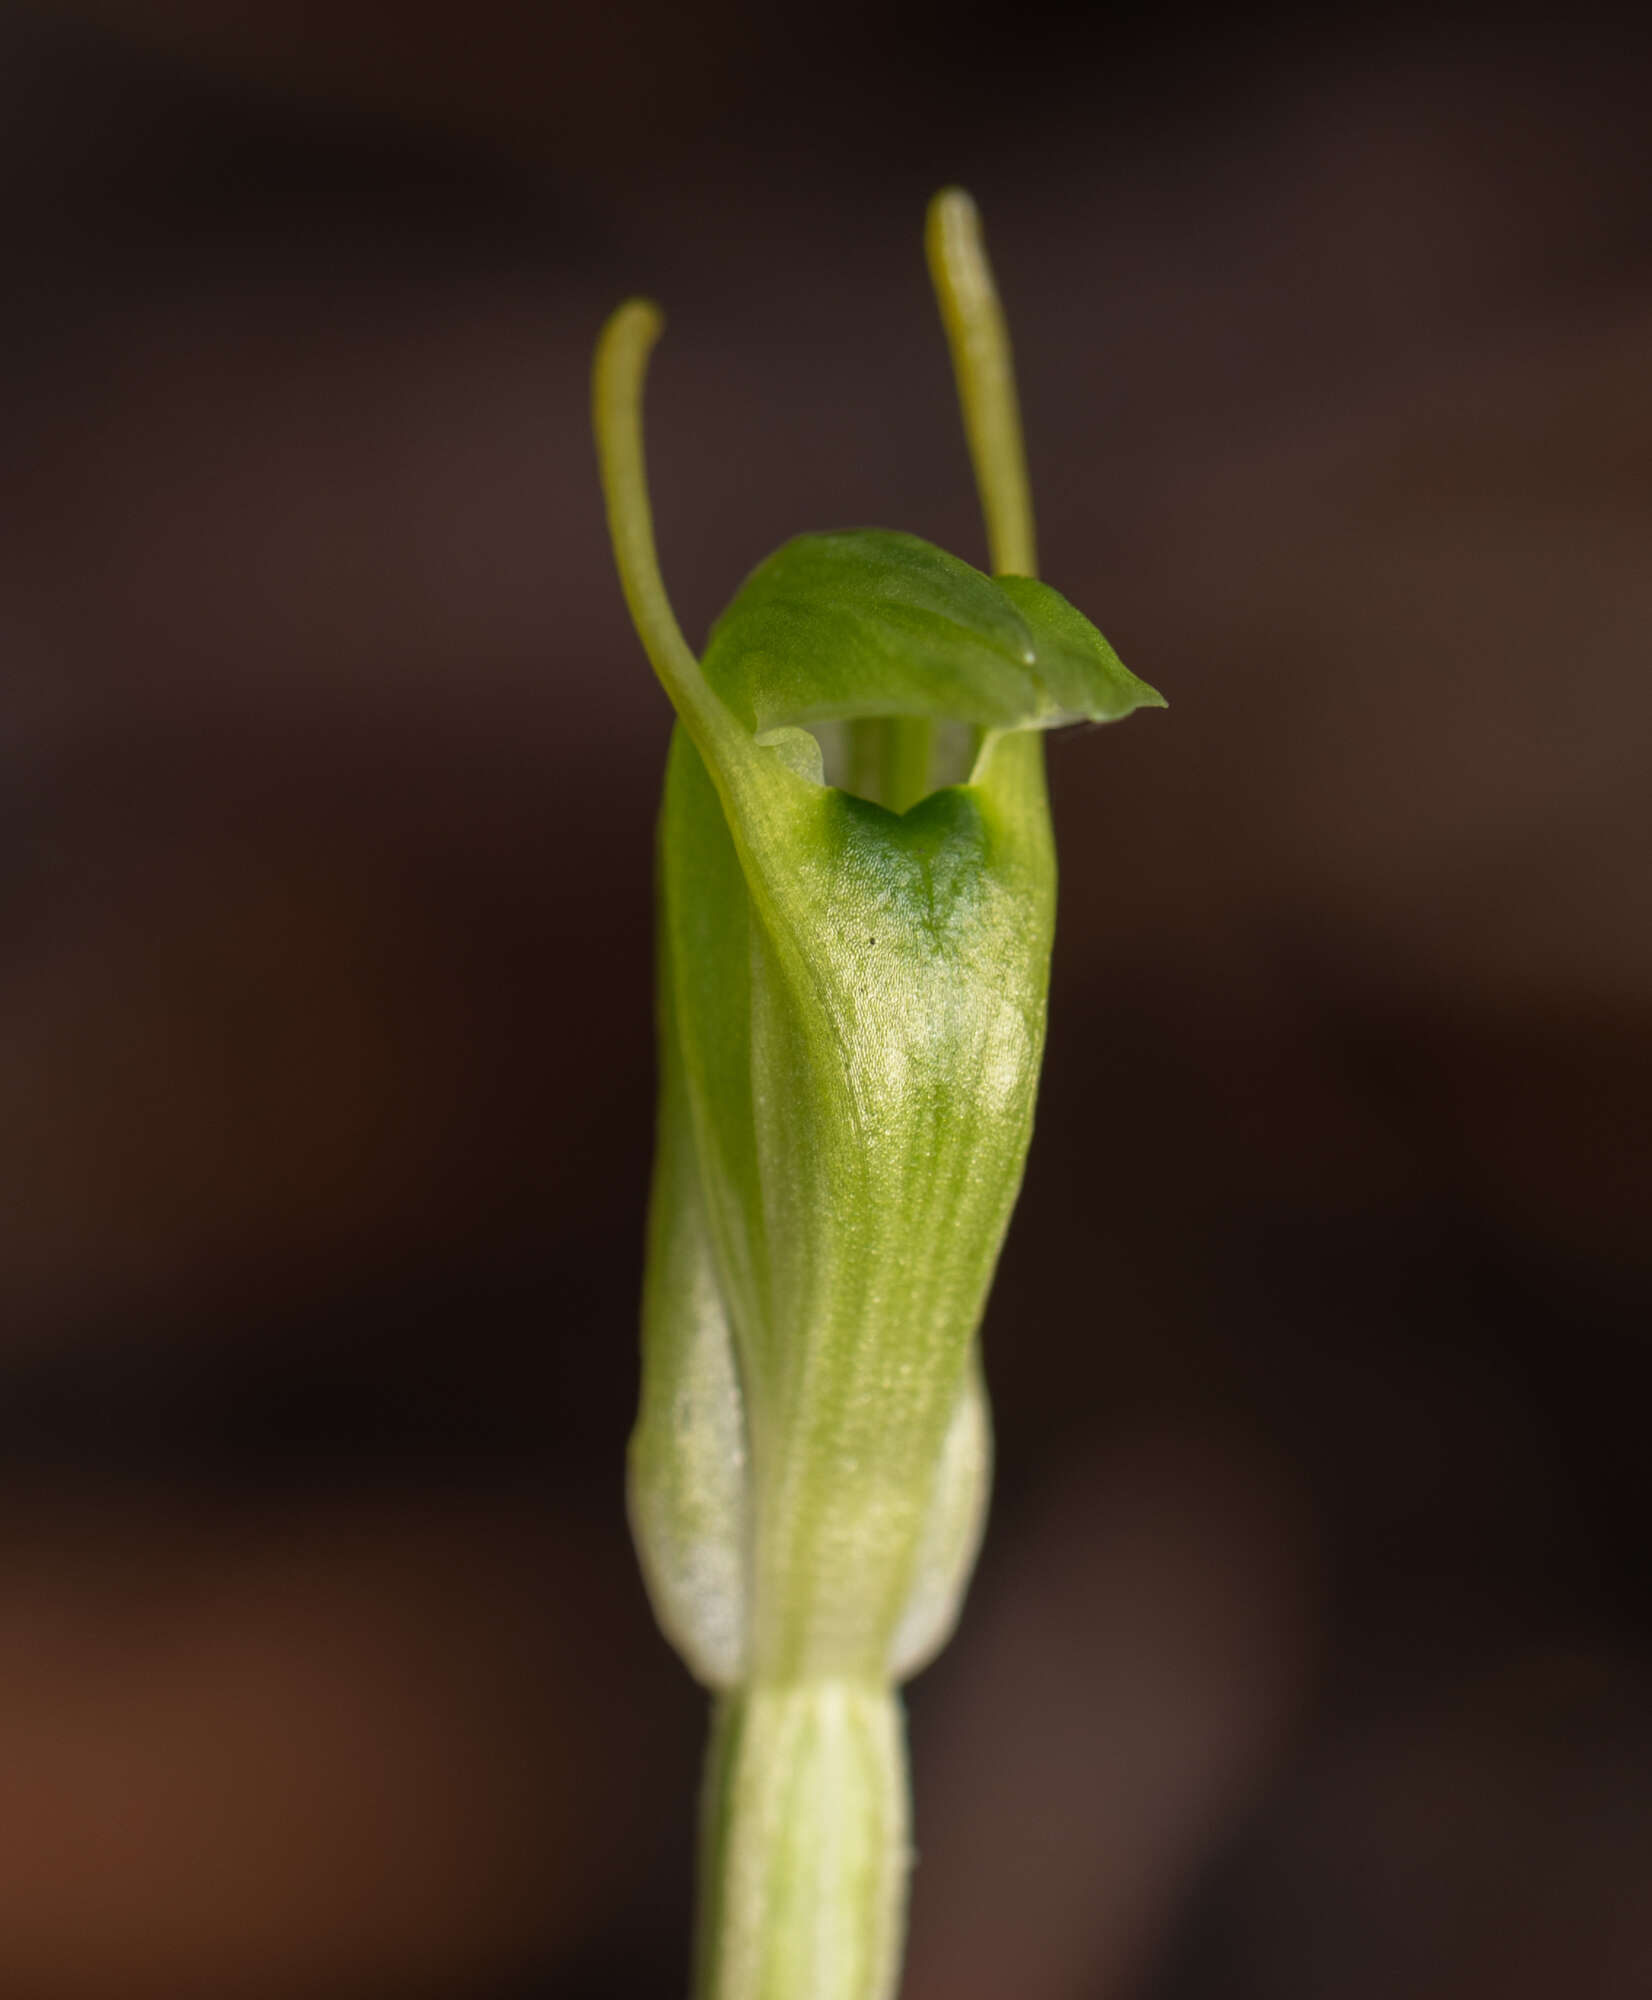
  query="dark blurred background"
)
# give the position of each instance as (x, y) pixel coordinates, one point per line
(1309, 1655)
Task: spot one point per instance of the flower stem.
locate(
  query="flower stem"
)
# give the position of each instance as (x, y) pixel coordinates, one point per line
(804, 1850)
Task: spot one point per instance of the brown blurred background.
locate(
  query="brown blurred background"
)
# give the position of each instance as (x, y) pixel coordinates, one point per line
(1309, 1657)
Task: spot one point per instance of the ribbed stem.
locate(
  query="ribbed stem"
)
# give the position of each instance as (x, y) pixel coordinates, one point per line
(805, 1846)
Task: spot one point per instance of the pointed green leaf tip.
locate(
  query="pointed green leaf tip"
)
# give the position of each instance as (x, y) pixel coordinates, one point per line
(871, 623)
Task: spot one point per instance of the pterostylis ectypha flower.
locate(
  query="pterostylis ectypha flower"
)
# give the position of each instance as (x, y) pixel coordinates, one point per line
(856, 898)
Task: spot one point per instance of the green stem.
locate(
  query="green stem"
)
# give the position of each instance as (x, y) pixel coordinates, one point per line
(910, 751)
(623, 350)
(891, 759)
(985, 372)
(804, 1851)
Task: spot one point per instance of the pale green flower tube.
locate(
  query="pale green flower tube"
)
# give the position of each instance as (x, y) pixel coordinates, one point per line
(852, 989)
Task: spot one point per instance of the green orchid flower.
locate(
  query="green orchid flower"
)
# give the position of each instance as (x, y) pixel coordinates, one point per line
(857, 894)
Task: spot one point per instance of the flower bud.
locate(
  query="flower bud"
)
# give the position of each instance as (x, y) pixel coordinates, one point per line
(856, 898)
(851, 1019)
